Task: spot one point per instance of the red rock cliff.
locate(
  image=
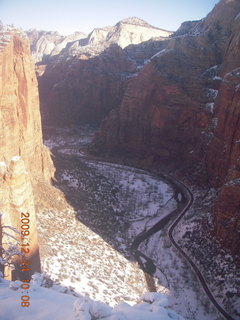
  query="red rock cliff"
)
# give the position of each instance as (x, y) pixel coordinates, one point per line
(76, 89)
(22, 154)
(21, 132)
(166, 109)
(223, 159)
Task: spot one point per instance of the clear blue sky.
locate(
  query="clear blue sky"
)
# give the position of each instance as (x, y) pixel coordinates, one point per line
(76, 15)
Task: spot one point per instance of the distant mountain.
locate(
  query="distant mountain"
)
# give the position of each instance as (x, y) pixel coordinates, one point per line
(124, 33)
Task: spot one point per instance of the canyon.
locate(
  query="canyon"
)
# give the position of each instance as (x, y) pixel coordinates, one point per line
(129, 94)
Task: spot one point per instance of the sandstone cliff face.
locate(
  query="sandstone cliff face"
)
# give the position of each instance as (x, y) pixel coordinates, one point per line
(22, 154)
(170, 103)
(21, 132)
(16, 204)
(82, 89)
(223, 159)
(165, 110)
(184, 107)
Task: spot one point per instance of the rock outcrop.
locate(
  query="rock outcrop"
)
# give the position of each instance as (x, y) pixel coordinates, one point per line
(183, 107)
(22, 154)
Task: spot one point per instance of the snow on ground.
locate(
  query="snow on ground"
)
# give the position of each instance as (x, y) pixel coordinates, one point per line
(216, 265)
(65, 249)
(145, 198)
(68, 140)
(210, 107)
(52, 303)
(185, 292)
(77, 257)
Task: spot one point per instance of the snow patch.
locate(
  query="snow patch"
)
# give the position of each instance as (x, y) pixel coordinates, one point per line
(210, 107)
(217, 78)
(158, 54)
(15, 158)
(212, 94)
(65, 306)
(233, 182)
(3, 165)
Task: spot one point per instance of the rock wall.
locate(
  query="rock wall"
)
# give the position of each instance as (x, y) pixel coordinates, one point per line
(223, 159)
(82, 89)
(21, 131)
(165, 110)
(23, 157)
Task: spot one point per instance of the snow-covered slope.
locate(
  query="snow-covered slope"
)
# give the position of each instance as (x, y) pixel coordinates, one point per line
(52, 303)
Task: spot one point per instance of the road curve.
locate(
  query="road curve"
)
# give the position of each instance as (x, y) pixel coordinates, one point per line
(183, 206)
(189, 195)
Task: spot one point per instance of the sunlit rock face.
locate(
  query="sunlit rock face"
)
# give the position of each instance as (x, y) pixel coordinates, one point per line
(17, 204)
(129, 31)
(22, 154)
(21, 132)
(183, 107)
(126, 32)
(50, 43)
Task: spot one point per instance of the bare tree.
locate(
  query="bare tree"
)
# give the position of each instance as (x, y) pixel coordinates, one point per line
(9, 246)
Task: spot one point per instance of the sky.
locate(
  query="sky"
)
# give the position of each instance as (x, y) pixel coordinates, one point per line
(77, 15)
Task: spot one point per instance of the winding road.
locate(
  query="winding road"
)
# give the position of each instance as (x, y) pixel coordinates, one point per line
(184, 199)
(183, 206)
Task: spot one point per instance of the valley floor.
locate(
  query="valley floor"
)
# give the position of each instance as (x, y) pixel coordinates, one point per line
(95, 215)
